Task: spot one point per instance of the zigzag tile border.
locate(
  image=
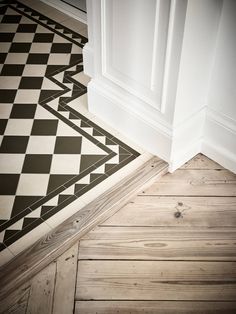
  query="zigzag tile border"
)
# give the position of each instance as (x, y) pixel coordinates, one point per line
(118, 154)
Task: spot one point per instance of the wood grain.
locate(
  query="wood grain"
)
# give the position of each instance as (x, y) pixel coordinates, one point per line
(17, 301)
(148, 280)
(154, 307)
(194, 183)
(52, 245)
(201, 162)
(141, 243)
(64, 292)
(160, 211)
(42, 290)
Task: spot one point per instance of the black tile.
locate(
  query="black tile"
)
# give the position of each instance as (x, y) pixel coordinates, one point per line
(37, 163)
(87, 161)
(26, 28)
(44, 127)
(20, 47)
(7, 95)
(43, 38)
(12, 70)
(3, 57)
(6, 37)
(75, 58)
(61, 48)
(14, 144)
(57, 180)
(3, 124)
(11, 19)
(31, 82)
(37, 58)
(68, 145)
(8, 184)
(23, 111)
(23, 202)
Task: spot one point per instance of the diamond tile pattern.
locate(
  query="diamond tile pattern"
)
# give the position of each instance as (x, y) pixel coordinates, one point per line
(50, 154)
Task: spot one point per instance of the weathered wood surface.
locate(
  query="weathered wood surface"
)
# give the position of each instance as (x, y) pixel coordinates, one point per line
(52, 245)
(158, 280)
(41, 291)
(16, 302)
(201, 162)
(154, 307)
(195, 183)
(64, 292)
(161, 211)
(51, 291)
(142, 243)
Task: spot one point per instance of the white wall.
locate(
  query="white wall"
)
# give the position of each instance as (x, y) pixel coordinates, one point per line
(220, 127)
(153, 64)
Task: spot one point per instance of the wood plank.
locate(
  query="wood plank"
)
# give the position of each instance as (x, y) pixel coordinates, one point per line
(154, 280)
(141, 243)
(17, 301)
(42, 289)
(154, 307)
(161, 211)
(65, 282)
(52, 245)
(195, 182)
(200, 161)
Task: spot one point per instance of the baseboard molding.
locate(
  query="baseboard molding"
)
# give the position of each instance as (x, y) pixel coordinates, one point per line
(219, 141)
(47, 249)
(117, 110)
(88, 60)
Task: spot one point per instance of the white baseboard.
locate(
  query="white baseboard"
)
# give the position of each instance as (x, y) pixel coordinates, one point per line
(88, 60)
(187, 139)
(219, 141)
(111, 107)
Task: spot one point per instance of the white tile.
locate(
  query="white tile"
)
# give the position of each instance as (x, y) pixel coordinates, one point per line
(5, 256)
(41, 145)
(34, 70)
(5, 110)
(59, 58)
(42, 113)
(65, 213)
(40, 48)
(42, 29)
(82, 78)
(29, 239)
(11, 163)
(25, 20)
(23, 37)
(9, 82)
(80, 104)
(6, 204)
(59, 39)
(19, 127)
(89, 148)
(32, 184)
(16, 58)
(65, 130)
(27, 96)
(48, 84)
(76, 49)
(8, 27)
(65, 164)
(4, 47)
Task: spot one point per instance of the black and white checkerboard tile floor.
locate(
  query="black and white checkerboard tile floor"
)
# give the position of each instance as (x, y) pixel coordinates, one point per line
(55, 156)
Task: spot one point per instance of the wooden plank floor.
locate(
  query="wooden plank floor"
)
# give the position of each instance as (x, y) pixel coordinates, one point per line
(172, 249)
